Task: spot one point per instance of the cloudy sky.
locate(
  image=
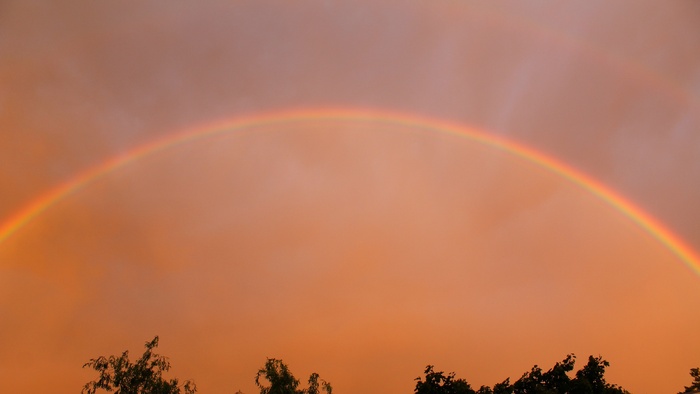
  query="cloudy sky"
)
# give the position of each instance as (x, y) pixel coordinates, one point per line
(360, 249)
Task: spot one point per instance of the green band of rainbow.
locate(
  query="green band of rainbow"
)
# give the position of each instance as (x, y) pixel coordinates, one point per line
(627, 208)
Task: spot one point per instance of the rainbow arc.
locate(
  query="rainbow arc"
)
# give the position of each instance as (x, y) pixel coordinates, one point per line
(651, 225)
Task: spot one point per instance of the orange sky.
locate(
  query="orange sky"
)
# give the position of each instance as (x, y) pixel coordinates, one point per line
(359, 250)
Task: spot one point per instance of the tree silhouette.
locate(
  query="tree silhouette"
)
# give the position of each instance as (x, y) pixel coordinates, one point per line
(589, 380)
(695, 385)
(439, 383)
(281, 380)
(555, 380)
(503, 388)
(145, 376)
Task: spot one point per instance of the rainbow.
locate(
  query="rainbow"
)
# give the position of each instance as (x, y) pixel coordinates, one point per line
(624, 206)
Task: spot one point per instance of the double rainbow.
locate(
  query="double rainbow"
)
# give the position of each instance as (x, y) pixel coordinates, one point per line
(623, 205)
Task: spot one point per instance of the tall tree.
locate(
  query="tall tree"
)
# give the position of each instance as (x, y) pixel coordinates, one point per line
(144, 376)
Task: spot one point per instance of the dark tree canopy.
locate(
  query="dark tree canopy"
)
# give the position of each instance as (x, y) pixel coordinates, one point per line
(281, 380)
(695, 385)
(144, 376)
(591, 380)
(439, 383)
(588, 380)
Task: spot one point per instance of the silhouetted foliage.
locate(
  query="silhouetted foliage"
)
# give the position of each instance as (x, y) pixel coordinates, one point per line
(556, 380)
(695, 385)
(503, 388)
(589, 380)
(439, 383)
(145, 376)
(281, 380)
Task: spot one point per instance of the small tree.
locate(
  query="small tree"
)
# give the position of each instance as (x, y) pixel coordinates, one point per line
(315, 386)
(145, 376)
(281, 380)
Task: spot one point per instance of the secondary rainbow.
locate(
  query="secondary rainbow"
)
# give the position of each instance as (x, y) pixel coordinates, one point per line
(623, 205)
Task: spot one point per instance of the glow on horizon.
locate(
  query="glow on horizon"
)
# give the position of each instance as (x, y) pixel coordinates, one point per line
(650, 224)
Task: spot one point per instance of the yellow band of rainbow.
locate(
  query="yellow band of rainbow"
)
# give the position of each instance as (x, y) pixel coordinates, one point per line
(623, 205)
